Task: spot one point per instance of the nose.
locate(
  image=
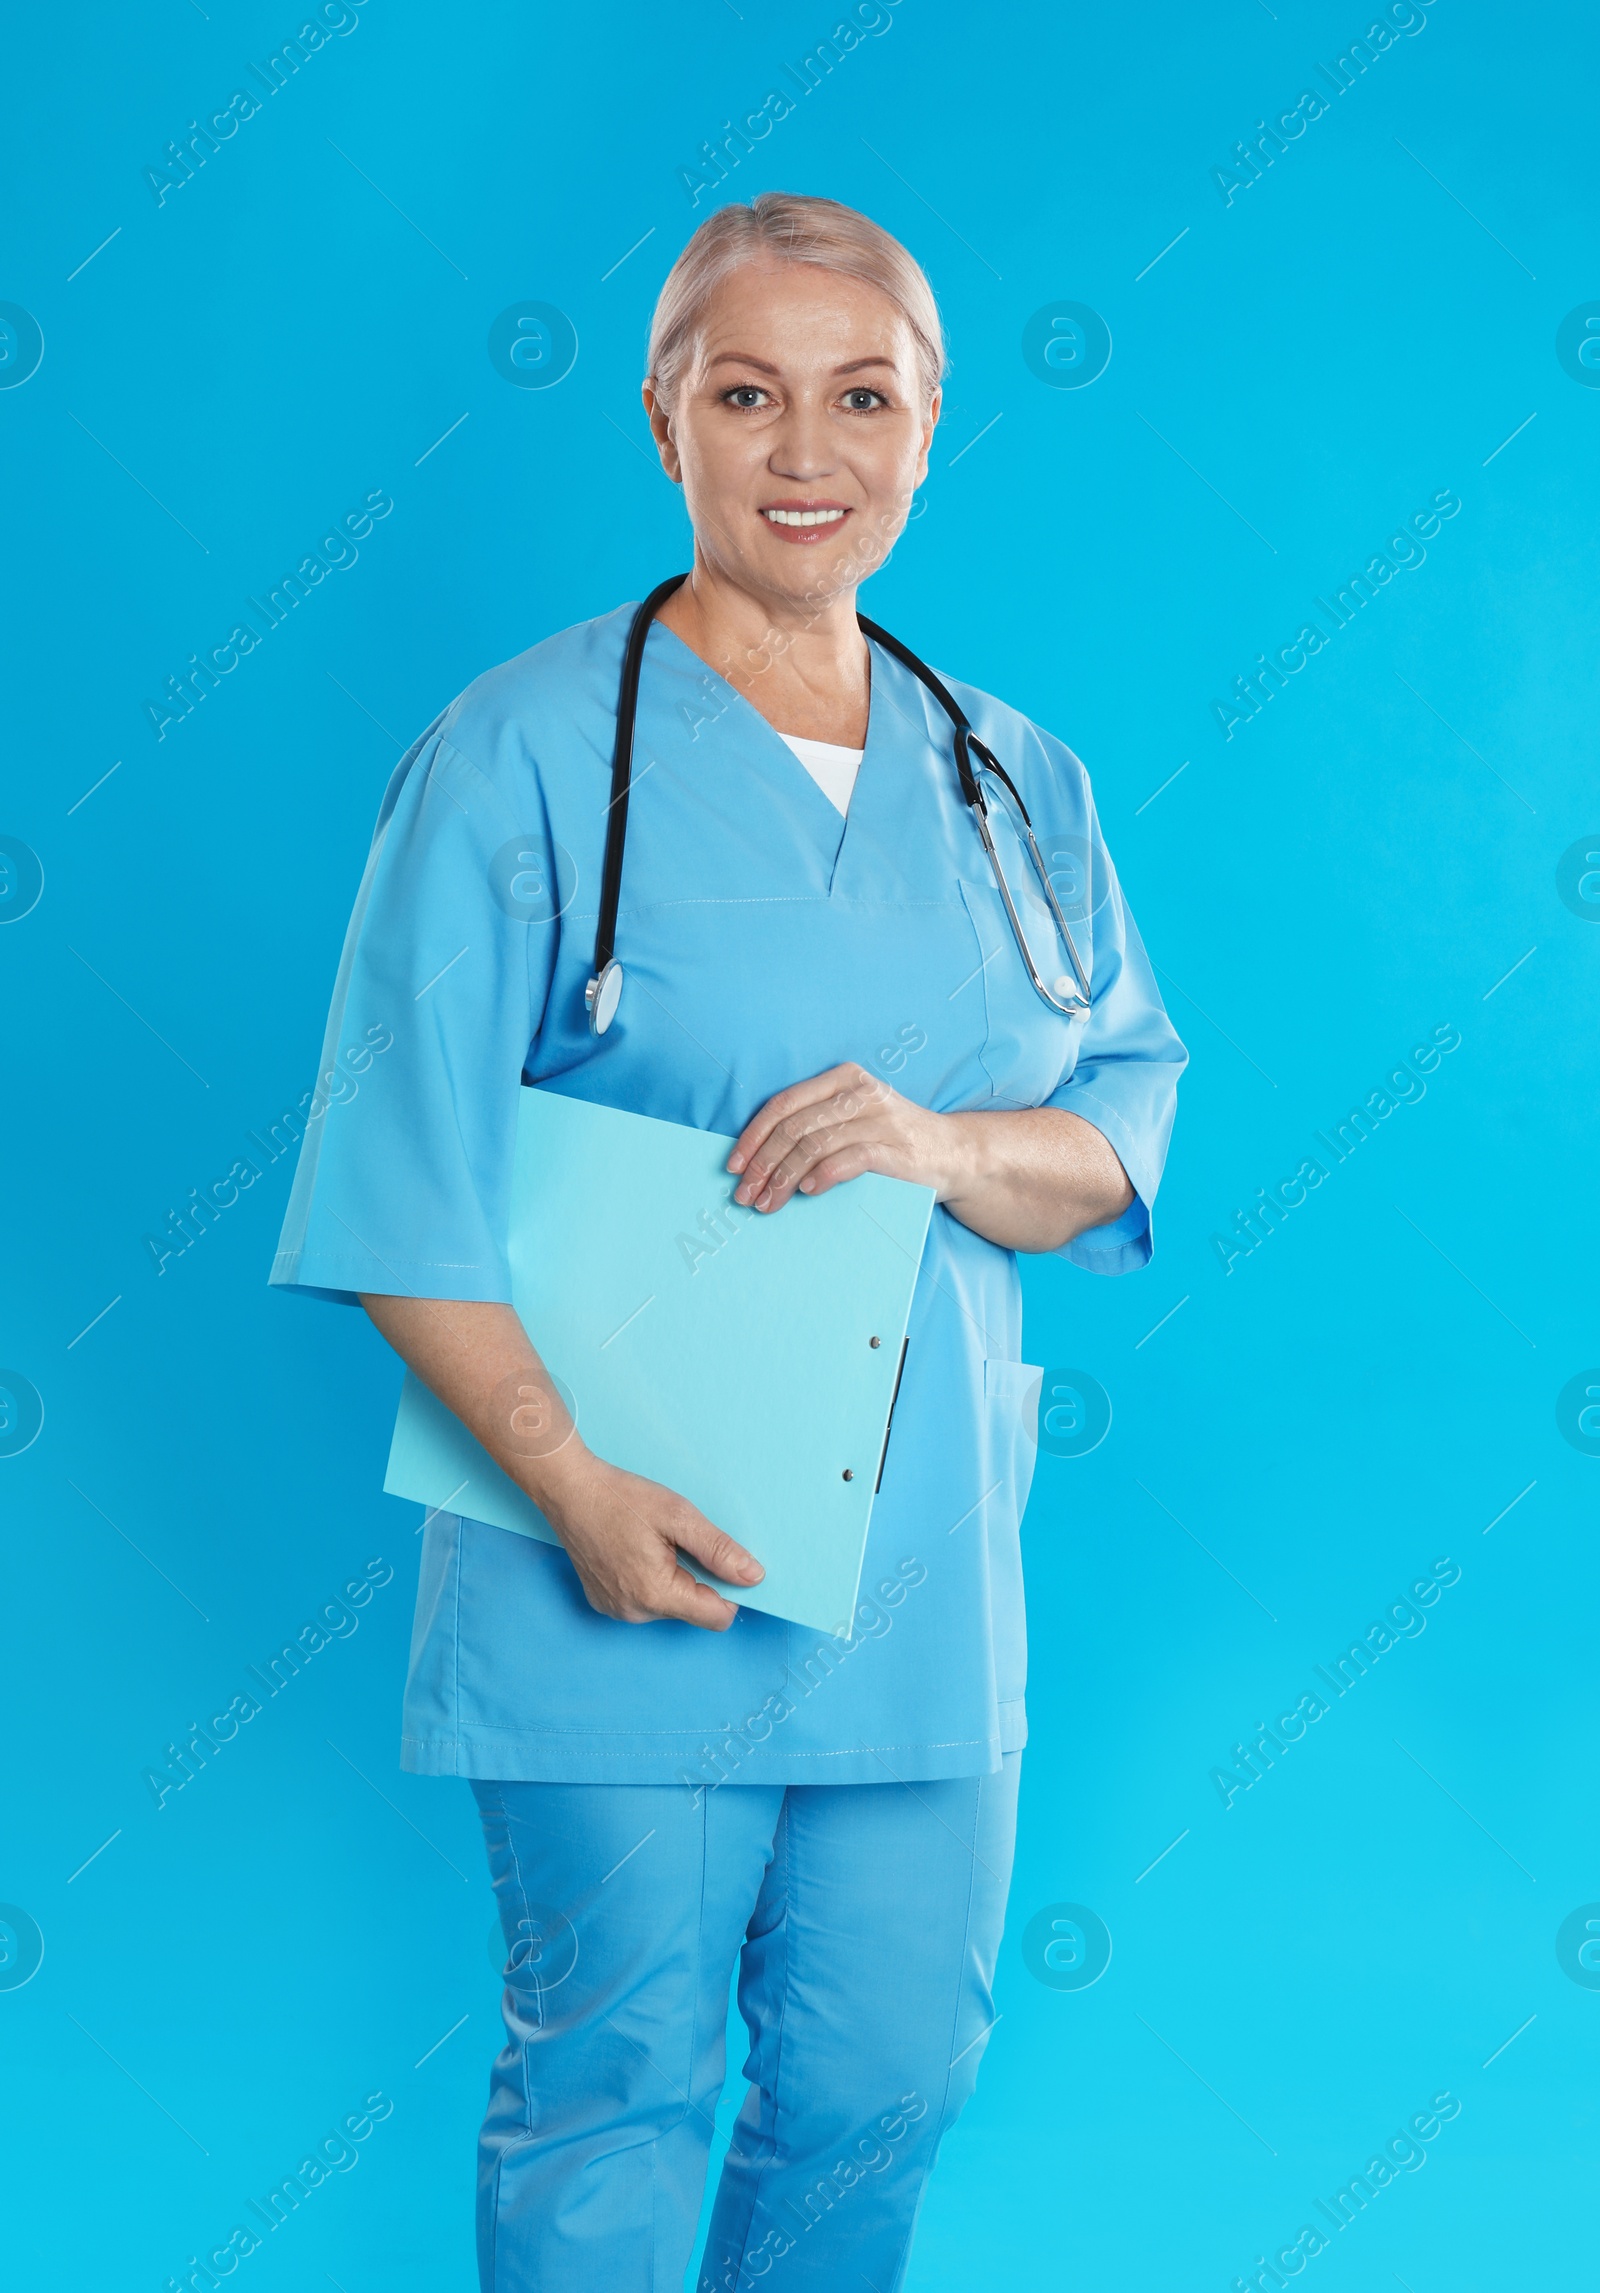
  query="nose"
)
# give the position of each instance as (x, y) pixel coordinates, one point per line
(803, 447)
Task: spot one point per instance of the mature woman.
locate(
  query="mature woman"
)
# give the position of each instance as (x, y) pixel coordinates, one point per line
(671, 1783)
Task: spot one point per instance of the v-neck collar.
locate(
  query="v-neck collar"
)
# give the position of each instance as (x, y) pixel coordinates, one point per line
(830, 827)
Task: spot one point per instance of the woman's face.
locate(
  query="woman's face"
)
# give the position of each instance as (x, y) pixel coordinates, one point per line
(799, 434)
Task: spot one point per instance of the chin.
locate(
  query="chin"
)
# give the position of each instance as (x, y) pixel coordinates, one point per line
(826, 566)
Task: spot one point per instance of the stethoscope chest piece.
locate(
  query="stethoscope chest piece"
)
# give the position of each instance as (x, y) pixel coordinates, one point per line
(602, 995)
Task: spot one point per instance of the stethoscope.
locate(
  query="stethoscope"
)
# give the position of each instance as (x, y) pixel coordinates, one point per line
(1069, 997)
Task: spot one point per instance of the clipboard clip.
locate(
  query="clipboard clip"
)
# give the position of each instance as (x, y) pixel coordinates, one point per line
(889, 1427)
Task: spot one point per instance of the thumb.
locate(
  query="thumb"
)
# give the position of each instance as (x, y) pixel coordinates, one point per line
(687, 1600)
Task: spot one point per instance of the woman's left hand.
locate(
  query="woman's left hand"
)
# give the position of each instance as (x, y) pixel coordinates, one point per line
(835, 1126)
(1028, 1178)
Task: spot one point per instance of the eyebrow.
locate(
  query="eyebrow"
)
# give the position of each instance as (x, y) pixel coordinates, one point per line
(745, 358)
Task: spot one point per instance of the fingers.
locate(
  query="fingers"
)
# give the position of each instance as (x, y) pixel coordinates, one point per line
(821, 1160)
(833, 1169)
(683, 1595)
(687, 1600)
(794, 1101)
(638, 1577)
(675, 1596)
(714, 1549)
(801, 1137)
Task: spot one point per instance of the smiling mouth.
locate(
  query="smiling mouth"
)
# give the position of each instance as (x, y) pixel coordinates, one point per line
(792, 516)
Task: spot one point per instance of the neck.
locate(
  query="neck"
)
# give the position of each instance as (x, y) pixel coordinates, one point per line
(802, 663)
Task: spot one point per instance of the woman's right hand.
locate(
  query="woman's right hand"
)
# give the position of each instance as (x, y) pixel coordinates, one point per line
(623, 1535)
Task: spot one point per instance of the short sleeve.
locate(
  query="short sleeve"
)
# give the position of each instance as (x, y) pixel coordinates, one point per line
(408, 1138)
(1125, 1081)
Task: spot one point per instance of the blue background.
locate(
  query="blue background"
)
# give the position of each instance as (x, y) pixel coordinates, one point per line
(1375, 854)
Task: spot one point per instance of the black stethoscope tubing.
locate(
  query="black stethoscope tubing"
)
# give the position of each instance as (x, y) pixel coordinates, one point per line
(605, 986)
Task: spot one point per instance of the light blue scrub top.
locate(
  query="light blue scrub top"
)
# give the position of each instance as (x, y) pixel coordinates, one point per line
(764, 939)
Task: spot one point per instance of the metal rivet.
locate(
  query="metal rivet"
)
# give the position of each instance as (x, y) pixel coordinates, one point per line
(874, 1341)
(849, 1476)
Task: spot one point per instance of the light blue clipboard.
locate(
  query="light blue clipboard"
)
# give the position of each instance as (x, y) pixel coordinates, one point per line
(749, 1362)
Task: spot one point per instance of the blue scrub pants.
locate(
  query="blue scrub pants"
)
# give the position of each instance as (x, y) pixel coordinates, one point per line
(865, 1920)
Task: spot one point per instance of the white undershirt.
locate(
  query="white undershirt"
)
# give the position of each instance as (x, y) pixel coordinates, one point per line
(833, 768)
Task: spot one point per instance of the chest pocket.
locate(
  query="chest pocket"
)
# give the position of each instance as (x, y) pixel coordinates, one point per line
(1028, 1049)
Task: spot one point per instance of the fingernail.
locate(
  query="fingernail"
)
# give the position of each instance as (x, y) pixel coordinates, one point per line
(736, 1161)
(741, 1194)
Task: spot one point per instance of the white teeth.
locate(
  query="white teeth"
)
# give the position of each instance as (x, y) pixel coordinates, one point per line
(803, 517)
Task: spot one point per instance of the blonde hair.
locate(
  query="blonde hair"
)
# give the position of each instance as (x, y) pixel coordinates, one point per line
(788, 227)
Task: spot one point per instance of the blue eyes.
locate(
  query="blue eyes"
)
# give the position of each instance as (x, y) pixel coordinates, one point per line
(749, 397)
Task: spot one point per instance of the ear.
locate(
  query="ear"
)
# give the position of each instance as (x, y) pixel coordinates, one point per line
(928, 428)
(661, 431)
